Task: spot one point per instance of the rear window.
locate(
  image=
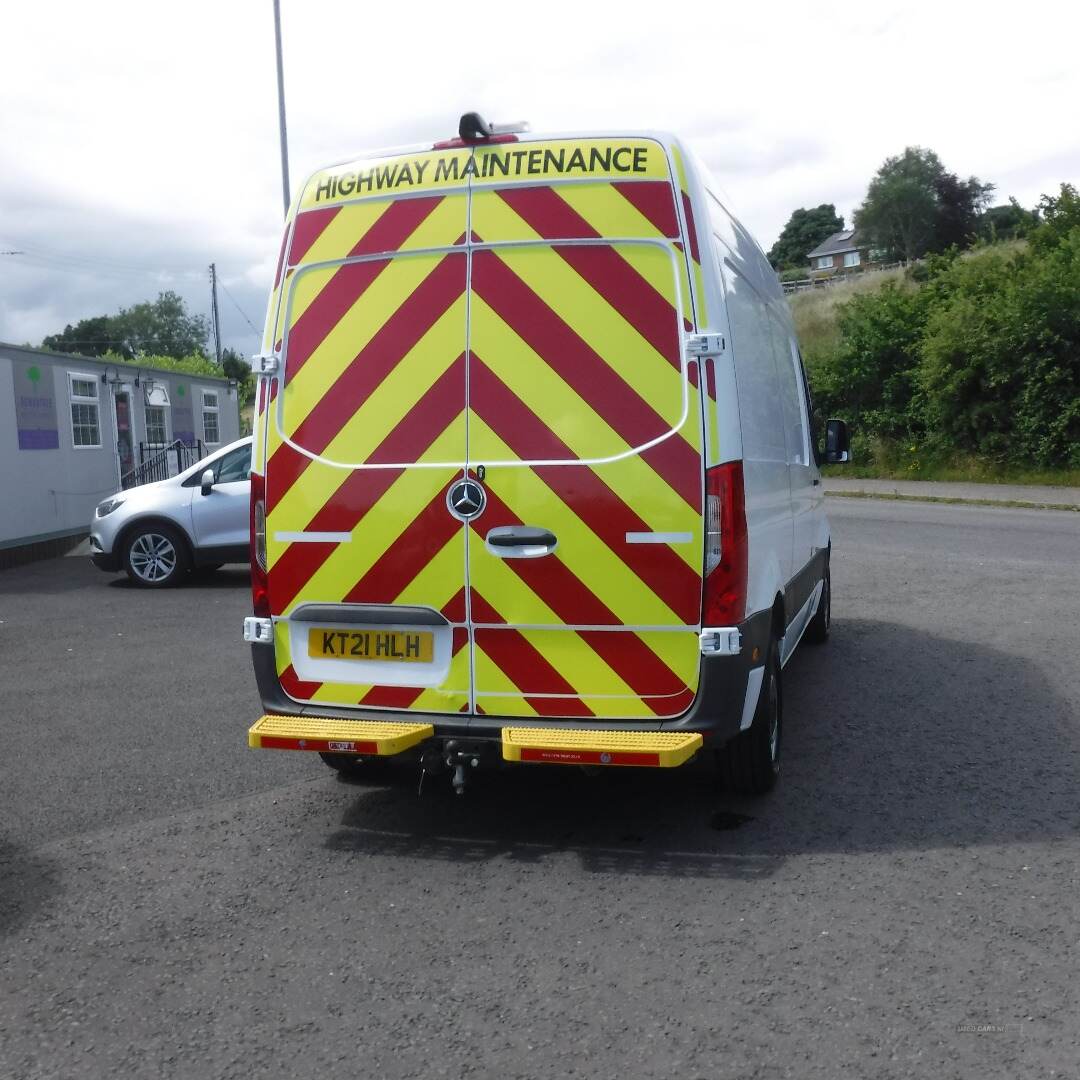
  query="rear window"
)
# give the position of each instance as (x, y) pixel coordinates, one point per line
(585, 339)
(578, 293)
(374, 360)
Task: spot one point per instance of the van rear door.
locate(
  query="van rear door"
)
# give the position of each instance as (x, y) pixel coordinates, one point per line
(584, 429)
(365, 434)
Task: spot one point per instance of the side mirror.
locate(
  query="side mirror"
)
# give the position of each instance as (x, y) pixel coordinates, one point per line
(206, 481)
(837, 442)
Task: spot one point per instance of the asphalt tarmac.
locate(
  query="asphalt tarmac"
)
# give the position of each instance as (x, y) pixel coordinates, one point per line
(906, 903)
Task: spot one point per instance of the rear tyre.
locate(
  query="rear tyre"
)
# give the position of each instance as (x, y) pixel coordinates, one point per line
(356, 768)
(750, 763)
(817, 629)
(156, 557)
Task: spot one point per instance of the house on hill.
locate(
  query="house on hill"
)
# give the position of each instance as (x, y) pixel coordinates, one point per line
(841, 251)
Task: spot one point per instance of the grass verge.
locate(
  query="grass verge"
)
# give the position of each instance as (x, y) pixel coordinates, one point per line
(890, 459)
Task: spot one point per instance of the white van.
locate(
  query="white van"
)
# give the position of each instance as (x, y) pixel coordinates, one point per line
(534, 475)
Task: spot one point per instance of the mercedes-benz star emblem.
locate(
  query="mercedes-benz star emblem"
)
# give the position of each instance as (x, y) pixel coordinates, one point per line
(466, 499)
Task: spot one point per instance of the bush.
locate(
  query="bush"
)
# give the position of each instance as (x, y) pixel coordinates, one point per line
(1001, 354)
(195, 364)
(982, 358)
(871, 376)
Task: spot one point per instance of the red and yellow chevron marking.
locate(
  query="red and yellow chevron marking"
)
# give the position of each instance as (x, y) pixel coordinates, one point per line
(700, 306)
(637, 673)
(573, 357)
(374, 371)
(333, 233)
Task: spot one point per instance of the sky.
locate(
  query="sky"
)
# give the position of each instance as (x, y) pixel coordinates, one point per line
(139, 140)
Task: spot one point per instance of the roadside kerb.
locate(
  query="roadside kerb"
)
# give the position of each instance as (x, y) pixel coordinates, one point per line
(1031, 497)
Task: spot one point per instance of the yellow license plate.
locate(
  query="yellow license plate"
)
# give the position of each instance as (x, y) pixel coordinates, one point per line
(395, 646)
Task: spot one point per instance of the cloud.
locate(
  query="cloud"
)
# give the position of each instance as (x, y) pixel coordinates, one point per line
(138, 142)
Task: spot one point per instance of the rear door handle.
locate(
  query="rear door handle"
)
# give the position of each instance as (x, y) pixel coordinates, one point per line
(520, 542)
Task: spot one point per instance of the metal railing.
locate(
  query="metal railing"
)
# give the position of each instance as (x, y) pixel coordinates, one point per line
(158, 462)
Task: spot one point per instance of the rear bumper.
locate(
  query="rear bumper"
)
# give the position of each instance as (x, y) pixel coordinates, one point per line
(716, 712)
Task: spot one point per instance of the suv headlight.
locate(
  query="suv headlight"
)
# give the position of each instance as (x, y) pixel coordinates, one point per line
(107, 507)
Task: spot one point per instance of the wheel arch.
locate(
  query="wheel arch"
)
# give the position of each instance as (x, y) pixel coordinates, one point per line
(778, 624)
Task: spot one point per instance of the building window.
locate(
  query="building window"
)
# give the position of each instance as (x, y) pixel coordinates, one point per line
(211, 430)
(155, 424)
(823, 262)
(851, 258)
(85, 426)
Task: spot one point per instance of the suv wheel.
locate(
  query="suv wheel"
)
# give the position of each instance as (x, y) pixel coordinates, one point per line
(155, 557)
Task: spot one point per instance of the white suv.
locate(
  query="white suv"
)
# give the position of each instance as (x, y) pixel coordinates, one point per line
(198, 518)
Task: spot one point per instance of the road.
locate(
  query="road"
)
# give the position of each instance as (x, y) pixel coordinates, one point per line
(174, 905)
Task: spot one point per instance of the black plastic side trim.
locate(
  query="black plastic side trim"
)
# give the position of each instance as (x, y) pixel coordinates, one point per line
(801, 587)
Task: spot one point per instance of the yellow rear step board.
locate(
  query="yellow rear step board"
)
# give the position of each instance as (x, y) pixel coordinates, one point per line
(658, 749)
(335, 736)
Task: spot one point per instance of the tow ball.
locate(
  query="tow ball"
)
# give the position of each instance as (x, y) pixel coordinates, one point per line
(458, 756)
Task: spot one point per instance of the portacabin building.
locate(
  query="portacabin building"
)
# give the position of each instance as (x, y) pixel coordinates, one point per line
(74, 429)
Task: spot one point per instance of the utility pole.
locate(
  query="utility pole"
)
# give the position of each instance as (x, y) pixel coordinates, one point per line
(281, 107)
(214, 312)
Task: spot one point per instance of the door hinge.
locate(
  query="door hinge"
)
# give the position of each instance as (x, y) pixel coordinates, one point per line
(705, 344)
(720, 641)
(264, 364)
(258, 631)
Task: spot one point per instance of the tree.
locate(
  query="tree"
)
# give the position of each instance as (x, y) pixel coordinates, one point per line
(1007, 222)
(913, 206)
(900, 212)
(1061, 217)
(236, 367)
(961, 204)
(91, 337)
(163, 326)
(803, 232)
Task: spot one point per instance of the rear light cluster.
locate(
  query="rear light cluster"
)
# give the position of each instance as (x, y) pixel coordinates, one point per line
(260, 593)
(724, 601)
